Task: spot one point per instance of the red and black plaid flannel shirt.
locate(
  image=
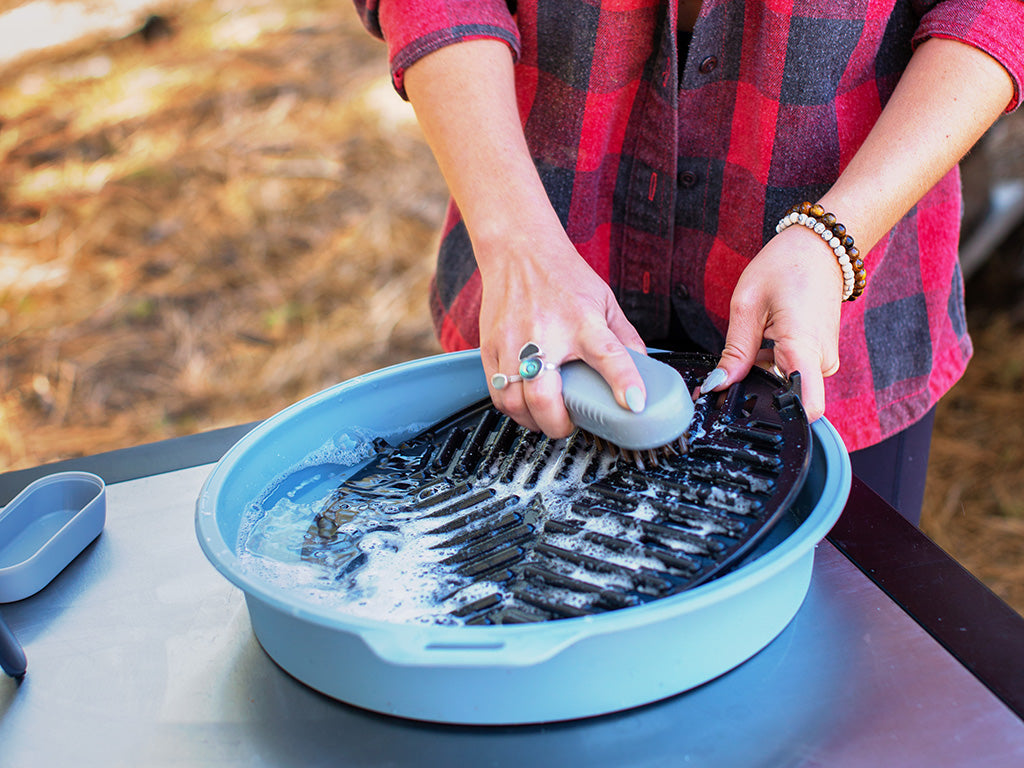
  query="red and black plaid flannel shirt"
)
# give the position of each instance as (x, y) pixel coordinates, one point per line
(669, 176)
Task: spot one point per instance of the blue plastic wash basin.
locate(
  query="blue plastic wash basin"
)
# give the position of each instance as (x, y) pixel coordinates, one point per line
(544, 672)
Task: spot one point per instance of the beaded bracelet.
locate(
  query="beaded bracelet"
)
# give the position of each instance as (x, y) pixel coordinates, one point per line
(814, 217)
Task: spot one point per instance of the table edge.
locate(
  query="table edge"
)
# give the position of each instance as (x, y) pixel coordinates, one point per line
(983, 632)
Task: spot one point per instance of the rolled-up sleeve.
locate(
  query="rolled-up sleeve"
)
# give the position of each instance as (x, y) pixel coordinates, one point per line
(414, 28)
(993, 26)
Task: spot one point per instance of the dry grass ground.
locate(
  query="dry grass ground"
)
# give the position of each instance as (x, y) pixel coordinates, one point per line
(205, 223)
(200, 229)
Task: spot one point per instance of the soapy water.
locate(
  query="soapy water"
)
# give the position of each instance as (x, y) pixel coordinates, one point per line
(376, 564)
(384, 533)
(392, 574)
(273, 530)
(379, 564)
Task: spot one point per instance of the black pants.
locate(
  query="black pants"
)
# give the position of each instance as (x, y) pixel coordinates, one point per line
(897, 468)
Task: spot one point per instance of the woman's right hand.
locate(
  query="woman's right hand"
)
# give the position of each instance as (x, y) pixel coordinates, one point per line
(537, 288)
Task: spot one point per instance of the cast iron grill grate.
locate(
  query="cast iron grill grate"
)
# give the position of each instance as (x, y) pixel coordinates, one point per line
(533, 529)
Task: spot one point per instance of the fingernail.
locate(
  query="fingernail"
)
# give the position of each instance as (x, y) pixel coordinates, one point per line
(714, 380)
(635, 399)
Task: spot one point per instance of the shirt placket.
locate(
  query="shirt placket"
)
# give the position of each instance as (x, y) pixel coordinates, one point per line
(648, 202)
(703, 127)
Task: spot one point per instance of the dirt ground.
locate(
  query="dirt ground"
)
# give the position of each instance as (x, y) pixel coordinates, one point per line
(228, 210)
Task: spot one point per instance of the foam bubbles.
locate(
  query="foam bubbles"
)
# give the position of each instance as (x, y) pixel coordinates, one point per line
(377, 564)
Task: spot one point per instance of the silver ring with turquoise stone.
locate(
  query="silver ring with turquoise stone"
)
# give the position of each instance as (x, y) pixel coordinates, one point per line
(531, 361)
(532, 367)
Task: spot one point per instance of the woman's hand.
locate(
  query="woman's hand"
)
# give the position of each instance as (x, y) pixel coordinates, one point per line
(789, 294)
(539, 289)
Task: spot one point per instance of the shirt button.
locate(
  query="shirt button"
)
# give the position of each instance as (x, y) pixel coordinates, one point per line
(708, 65)
(687, 179)
(681, 292)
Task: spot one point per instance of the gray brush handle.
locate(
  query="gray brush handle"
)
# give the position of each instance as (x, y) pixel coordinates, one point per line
(592, 406)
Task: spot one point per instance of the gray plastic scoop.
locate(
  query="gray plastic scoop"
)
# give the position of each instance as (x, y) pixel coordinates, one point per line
(45, 527)
(592, 406)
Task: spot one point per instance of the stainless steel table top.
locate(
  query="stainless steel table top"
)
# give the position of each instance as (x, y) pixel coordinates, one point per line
(141, 654)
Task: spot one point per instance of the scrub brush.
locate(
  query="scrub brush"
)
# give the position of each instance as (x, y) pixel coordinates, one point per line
(660, 428)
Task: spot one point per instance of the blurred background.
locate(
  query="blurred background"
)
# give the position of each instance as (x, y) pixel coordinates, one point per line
(210, 209)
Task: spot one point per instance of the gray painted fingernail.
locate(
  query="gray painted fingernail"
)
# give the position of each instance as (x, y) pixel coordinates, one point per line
(635, 399)
(714, 380)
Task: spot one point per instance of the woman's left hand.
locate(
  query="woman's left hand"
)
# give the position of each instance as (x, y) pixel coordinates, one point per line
(789, 294)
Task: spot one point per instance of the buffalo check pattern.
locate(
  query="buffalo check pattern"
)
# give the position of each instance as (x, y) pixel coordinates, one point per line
(670, 164)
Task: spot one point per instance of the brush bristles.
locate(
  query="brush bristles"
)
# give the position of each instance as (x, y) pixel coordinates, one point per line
(643, 458)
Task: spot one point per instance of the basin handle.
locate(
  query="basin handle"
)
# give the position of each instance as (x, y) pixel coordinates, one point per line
(491, 646)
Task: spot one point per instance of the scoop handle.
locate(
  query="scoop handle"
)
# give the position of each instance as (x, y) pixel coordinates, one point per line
(12, 656)
(592, 405)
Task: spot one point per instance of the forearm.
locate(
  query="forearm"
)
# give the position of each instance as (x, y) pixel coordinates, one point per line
(478, 140)
(946, 99)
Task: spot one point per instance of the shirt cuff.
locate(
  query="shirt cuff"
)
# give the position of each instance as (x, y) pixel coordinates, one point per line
(414, 28)
(992, 26)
